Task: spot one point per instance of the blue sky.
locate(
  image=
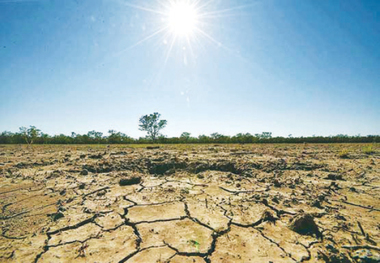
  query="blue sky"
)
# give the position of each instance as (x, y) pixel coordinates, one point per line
(298, 67)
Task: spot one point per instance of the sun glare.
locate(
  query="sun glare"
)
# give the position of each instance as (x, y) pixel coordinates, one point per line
(182, 18)
(181, 26)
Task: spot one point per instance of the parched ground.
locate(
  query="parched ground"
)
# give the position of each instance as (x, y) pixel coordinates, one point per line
(190, 203)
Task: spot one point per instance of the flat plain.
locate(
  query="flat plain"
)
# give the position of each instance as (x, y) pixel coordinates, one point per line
(190, 203)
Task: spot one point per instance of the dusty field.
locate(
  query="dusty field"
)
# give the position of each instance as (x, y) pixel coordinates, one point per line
(179, 204)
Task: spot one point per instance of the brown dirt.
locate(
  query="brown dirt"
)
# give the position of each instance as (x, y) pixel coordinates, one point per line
(189, 203)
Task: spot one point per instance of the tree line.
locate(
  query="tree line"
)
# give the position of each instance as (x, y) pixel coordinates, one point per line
(152, 125)
(32, 135)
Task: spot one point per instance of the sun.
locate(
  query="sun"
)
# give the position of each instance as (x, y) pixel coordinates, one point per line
(182, 18)
(181, 27)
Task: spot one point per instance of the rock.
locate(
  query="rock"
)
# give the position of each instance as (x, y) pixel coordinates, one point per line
(304, 224)
(84, 172)
(130, 181)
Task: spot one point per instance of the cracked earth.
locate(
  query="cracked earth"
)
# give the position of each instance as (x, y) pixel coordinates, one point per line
(189, 203)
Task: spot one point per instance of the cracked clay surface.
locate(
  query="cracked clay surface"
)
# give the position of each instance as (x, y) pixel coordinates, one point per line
(189, 204)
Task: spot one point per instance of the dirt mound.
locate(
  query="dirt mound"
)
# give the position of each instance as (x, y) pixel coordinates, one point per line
(130, 181)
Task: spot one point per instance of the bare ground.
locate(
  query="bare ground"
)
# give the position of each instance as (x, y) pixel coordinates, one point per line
(189, 203)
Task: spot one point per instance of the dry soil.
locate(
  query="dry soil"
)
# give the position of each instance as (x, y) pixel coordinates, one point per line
(190, 203)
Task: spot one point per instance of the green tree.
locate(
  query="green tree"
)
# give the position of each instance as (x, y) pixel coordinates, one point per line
(118, 137)
(264, 135)
(216, 135)
(185, 136)
(30, 134)
(243, 138)
(204, 139)
(44, 137)
(152, 125)
(95, 136)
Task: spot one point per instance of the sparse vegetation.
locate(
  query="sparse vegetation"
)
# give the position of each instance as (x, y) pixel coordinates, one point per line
(343, 154)
(368, 149)
(194, 243)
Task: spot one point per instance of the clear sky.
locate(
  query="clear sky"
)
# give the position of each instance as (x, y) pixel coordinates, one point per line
(298, 67)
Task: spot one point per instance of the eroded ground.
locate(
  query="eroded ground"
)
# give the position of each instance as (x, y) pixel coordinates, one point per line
(189, 203)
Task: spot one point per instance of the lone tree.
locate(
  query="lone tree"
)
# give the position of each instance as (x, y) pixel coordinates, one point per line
(29, 134)
(152, 125)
